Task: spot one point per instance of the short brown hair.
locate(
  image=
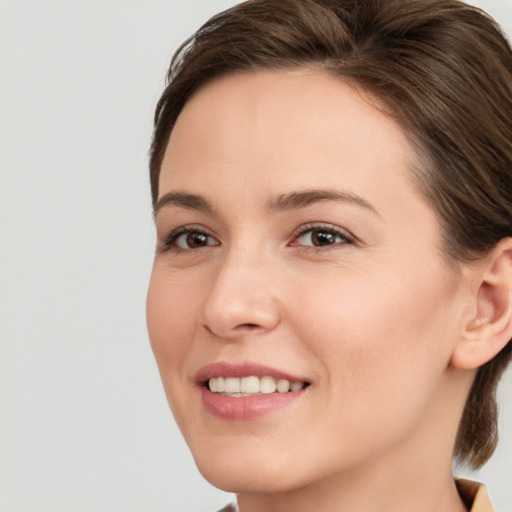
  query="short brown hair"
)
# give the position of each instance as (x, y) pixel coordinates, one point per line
(443, 69)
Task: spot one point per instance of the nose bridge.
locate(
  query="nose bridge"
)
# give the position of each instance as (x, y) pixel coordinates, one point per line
(241, 297)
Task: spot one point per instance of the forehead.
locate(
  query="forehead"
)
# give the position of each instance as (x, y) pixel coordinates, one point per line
(278, 129)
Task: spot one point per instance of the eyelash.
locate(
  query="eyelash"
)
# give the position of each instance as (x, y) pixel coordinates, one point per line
(170, 241)
(345, 237)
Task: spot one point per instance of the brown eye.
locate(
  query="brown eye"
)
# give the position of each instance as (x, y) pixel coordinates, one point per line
(193, 240)
(189, 239)
(321, 237)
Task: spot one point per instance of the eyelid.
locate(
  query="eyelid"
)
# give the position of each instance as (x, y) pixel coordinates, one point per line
(322, 226)
(168, 241)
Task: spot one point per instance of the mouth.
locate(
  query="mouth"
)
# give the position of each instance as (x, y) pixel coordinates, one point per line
(247, 391)
(237, 387)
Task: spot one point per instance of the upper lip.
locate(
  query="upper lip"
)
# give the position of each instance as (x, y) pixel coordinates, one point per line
(248, 369)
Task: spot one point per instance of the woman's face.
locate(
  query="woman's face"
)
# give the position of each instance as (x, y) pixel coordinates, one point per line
(293, 247)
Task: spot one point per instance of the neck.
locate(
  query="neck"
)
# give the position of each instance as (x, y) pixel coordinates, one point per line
(415, 474)
(366, 492)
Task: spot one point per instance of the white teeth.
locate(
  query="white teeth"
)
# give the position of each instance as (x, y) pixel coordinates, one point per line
(283, 385)
(252, 385)
(267, 385)
(295, 386)
(217, 384)
(231, 385)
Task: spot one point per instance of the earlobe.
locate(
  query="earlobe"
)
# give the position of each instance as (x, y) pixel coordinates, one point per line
(489, 330)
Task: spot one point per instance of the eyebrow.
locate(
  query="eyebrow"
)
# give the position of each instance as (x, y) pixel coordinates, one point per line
(283, 202)
(190, 201)
(302, 199)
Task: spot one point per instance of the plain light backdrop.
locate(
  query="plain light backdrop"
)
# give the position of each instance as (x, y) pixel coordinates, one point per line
(84, 425)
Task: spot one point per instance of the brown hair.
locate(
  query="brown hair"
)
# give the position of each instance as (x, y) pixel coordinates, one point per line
(444, 71)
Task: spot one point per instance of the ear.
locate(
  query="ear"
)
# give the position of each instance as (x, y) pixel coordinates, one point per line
(489, 327)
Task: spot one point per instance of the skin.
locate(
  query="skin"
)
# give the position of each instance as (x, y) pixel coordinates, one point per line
(371, 321)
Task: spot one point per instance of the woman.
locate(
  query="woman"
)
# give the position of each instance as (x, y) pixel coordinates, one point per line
(330, 305)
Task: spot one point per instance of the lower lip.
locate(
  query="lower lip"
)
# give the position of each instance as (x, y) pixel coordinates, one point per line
(246, 407)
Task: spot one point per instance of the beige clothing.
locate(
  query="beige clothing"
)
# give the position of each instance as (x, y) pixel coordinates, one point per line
(473, 494)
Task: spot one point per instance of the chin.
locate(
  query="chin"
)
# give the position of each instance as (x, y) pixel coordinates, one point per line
(240, 471)
(252, 479)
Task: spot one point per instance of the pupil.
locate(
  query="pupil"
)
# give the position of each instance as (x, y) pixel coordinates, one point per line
(322, 238)
(196, 240)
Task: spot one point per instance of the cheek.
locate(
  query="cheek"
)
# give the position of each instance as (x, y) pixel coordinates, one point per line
(383, 317)
(171, 314)
(384, 345)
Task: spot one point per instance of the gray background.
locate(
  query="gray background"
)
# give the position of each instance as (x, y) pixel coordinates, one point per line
(84, 425)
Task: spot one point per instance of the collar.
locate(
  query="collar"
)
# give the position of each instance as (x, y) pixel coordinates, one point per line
(474, 495)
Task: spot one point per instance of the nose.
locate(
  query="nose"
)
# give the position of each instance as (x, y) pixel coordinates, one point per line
(242, 299)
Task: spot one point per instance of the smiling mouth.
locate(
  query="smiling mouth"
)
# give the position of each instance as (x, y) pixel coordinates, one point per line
(252, 385)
